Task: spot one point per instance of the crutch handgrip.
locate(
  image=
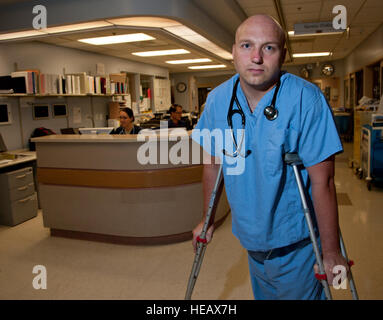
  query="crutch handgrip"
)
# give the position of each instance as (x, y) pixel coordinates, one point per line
(324, 277)
(201, 240)
(320, 276)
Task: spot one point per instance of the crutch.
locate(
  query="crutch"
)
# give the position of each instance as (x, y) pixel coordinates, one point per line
(201, 240)
(294, 160)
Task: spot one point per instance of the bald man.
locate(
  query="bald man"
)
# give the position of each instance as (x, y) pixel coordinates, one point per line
(267, 215)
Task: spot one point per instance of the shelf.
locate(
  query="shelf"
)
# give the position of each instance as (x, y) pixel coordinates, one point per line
(15, 95)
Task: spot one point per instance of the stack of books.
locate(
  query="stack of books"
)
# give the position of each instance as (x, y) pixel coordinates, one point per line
(34, 82)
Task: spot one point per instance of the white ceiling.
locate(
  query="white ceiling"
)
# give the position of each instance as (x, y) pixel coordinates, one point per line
(364, 16)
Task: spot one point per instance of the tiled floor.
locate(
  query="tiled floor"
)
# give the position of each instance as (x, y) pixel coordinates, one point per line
(79, 269)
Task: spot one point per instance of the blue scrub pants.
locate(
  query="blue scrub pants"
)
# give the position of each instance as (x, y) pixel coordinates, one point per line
(290, 277)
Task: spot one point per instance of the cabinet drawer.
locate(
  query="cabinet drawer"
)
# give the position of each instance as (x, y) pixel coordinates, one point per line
(23, 209)
(19, 178)
(22, 192)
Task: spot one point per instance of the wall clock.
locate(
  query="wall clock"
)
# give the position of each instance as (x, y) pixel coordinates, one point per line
(181, 87)
(327, 69)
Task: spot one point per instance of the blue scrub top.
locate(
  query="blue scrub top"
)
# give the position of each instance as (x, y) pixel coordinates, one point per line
(261, 190)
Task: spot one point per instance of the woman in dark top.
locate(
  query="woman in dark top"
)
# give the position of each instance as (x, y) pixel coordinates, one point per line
(126, 123)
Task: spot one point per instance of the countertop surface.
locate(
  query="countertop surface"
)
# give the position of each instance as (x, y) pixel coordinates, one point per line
(143, 136)
(23, 155)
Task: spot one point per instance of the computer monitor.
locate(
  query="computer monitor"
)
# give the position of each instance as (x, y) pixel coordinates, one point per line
(5, 114)
(3, 147)
(40, 112)
(59, 110)
(105, 130)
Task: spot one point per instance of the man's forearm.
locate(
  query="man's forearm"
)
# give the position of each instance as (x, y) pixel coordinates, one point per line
(326, 209)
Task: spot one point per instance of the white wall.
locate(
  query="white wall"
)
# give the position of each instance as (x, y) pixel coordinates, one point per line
(368, 52)
(53, 59)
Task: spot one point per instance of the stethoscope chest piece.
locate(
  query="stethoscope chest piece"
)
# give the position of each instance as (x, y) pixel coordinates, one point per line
(271, 113)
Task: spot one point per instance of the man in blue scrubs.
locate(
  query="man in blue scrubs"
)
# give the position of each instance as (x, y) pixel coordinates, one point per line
(267, 215)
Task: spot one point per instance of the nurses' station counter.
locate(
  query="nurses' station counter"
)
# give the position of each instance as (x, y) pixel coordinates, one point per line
(117, 189)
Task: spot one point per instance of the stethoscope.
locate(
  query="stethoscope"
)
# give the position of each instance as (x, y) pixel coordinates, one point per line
(270, 112)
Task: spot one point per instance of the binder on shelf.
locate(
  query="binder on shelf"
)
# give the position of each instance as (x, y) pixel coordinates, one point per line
(118, 83)
(79, 83)
(34, 82)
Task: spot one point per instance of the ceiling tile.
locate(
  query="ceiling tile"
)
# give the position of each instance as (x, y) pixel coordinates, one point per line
(373, 4)
(302, 8)
(270, 10)
(368, 15)
(252, 3)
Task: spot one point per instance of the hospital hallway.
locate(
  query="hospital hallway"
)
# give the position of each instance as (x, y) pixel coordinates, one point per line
(80, 269)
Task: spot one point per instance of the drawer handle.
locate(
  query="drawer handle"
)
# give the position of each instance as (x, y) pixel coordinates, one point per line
(22, 188)
(22, 176)
(26, 199)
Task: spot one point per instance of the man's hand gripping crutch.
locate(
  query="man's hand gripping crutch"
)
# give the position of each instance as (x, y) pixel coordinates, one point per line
(202, 234)
(294, 160)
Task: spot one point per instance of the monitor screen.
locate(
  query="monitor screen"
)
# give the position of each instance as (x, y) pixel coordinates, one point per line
(4, 114)
(3, 147)
(59, 110)
(40, 112)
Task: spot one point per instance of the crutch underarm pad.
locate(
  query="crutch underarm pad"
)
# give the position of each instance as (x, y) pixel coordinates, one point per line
(320, 276)
(201, 240)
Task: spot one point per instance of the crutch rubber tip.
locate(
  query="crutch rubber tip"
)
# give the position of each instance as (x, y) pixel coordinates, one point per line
(320, 276)
(351, 263)
(201, 240)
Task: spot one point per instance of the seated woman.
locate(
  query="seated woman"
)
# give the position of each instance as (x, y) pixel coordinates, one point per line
(126, 123)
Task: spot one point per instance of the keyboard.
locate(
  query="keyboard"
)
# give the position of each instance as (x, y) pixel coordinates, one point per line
(4, 161)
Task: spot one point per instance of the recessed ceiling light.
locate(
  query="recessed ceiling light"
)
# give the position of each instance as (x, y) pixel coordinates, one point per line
(152, 22)
(160, 53)
(292, 34)
(193, 37)
(122, 38)
(188, 61)
(312, 54)
(212, 66)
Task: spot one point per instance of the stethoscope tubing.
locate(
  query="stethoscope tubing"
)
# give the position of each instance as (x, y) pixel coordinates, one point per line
(270, 112)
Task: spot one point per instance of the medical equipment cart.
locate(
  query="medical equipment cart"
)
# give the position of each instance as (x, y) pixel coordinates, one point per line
(371, 151)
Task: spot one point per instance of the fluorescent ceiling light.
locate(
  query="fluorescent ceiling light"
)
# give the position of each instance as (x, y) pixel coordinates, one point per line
(122, 38)
(312, 54)
(151, 22)
(160, 53)
(21, 34)
(193, 37)
(212, 66)
(292, 34)
(79, 26)
(188, 61)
